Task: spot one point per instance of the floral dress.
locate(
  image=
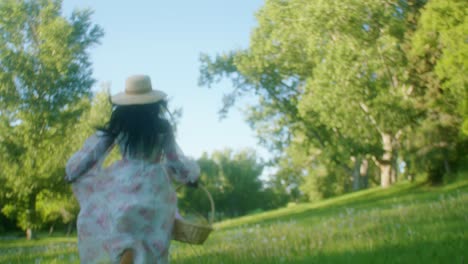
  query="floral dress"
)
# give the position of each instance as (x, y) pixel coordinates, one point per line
(128, 205)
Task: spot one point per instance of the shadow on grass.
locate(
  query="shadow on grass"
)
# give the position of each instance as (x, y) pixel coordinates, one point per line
(421, 252)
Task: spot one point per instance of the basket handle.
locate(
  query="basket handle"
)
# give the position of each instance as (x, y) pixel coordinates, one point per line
(212, 204)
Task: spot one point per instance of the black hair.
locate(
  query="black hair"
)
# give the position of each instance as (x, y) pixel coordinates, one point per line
(140, 126)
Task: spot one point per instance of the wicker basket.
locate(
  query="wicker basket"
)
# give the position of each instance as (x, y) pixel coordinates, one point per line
(192, 233)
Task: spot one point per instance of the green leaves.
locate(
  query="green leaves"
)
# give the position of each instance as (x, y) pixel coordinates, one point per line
(44, 75)
(233, 179)
(340, 77)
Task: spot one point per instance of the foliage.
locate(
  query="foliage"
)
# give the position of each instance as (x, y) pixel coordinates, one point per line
(338, 88)
(44, 72)
(437, 55)
(233, 179)
(440, 42)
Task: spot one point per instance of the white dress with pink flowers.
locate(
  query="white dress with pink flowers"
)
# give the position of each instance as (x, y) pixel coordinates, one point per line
(128, 205)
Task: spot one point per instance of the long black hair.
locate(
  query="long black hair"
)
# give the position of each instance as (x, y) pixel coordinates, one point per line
(141, 127)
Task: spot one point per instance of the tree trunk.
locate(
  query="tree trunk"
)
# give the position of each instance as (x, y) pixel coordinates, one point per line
(31, 216)
(385, 164)
(69, 228)
(385, 174)
(356, 173)
(395, 168)
(364, 173)
(447, 166)
(409, 170)
(29, 233)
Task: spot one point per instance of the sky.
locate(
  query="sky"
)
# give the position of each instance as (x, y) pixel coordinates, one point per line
(164, 39)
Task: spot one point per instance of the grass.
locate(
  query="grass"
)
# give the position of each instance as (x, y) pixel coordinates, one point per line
(408, 223)
(44, 250)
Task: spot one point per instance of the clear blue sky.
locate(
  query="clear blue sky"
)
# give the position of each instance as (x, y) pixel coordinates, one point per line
(164, 39)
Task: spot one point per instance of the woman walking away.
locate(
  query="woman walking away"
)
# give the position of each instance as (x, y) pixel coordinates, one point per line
(127, 210)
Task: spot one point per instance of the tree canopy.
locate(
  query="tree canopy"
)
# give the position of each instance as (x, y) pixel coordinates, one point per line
(338, 91)
(44, 73)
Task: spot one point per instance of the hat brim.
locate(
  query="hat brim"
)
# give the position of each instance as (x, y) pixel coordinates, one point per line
(136, 99)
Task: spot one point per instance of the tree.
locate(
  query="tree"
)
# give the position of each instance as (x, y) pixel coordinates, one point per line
(233, 179)
(329, 74)
(441, 39)
(241, 173)
(44, 73)
(438, 56)
(59, 205)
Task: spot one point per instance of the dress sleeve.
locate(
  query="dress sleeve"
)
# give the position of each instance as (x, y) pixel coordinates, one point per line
(179, 167)
(94, 149)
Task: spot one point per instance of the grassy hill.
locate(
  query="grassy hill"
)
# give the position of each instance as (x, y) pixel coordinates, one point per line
(408, 223)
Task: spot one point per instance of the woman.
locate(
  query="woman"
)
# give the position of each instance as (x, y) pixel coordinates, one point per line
(127, 210)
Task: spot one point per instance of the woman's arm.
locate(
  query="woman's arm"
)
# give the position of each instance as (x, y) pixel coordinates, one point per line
(94, 148)
(179, 167)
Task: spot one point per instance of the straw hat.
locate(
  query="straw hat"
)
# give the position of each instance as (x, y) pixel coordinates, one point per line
(138, 90)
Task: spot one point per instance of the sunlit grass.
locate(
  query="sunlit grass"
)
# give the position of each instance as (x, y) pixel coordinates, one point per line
(44, 250)
(408, 223)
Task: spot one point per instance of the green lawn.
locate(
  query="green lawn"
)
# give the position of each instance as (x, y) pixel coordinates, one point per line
(408, 223)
